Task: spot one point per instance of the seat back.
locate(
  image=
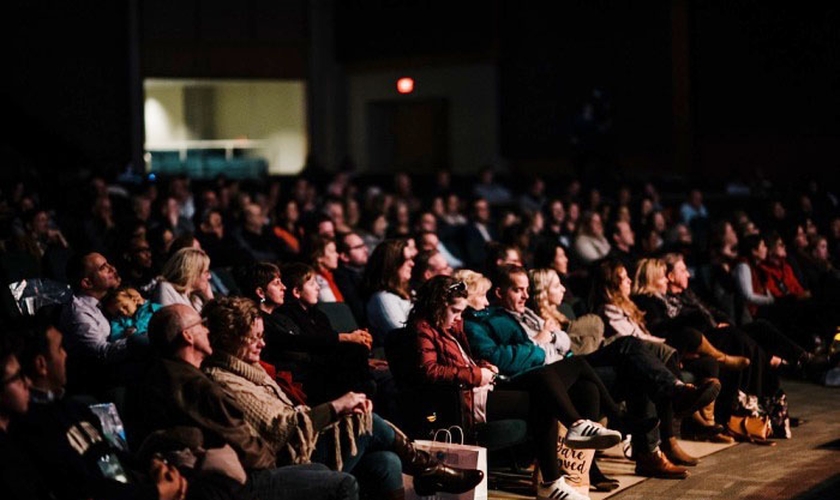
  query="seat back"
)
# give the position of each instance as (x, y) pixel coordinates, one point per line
(340, 316)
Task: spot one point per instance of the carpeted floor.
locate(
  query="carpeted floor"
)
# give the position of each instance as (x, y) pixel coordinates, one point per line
(806, 467)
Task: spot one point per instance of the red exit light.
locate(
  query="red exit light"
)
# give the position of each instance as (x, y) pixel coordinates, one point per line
(405, 85)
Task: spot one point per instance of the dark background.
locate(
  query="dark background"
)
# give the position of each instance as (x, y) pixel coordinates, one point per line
(705, 90)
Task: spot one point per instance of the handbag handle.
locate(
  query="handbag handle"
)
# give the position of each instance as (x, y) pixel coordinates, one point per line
(446, 433)
(459, 429)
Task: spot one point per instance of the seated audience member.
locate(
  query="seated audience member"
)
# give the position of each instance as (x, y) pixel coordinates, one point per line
(99, 230)
(622, 319)
(487, 188)
(176, 393)
(20, 478)
(428, 239)
(324, 260)
(96, 361)
(286, 227)
(387, 287)
(477, 287)
(376, 453)
(477, 233)
(820, 274)
(444, 357)
(223, 250)
(373, 229)
(501, 254)
(553, 255)
(316, 224)
(453, 216)
(128, 312)
(169, 216)
(545, 298)
(720, 285)
(554, 213)
(352, 259)
(428, 264)
(590, 244)
(136, 267)
(326, 362)
(76, 465)
(693, 207)
(623, 240)
(185, 279)
(217, 284)
(257, 238)
(40, 237)
(780, 280)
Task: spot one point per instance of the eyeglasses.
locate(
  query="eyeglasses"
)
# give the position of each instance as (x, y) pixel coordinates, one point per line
(18, 376)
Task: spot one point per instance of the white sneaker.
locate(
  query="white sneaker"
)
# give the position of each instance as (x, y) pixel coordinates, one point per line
(591, 435)
(558, 490)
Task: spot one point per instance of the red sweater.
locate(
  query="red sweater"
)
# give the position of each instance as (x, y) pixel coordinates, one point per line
(780, 280)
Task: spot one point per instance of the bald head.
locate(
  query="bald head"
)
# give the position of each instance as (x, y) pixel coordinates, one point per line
(168, 327)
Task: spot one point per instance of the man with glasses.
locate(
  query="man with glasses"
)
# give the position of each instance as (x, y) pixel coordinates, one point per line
(19, 479)
(352, 259)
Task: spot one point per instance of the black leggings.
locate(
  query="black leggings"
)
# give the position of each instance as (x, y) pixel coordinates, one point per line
(564, 391)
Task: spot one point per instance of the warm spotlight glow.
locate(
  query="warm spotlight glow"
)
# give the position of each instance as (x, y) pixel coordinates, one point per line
(405, 85)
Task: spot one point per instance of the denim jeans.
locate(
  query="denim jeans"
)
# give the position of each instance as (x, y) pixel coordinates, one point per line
(301, 482)
(377, 468)
(645, 378)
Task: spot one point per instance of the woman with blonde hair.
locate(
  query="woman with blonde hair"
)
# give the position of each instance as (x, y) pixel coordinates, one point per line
(547, 294)
(477, 287)
(185, 279)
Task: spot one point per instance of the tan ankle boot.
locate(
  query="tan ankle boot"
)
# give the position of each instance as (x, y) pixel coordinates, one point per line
(729, 362)
(676, 454)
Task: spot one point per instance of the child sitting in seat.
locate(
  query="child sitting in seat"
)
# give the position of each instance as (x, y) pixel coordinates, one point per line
(128, 312)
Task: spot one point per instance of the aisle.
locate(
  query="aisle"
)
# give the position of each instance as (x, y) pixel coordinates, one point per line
(806, 467)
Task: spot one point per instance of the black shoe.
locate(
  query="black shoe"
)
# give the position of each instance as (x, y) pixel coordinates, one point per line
(689, 398)
(442, 478)
(599, 481)
(430, 475)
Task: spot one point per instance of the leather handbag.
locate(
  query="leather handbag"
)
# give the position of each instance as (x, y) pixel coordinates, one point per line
(751, 429)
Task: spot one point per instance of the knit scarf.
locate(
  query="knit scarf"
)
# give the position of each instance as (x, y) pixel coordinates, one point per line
(302, 440)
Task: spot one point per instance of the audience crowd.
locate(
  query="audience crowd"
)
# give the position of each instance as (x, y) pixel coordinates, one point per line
(289, 338)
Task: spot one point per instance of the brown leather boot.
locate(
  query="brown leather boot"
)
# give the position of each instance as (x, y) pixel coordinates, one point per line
(656, 464)
(431, 475)
(676, 454)
(729, 362)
